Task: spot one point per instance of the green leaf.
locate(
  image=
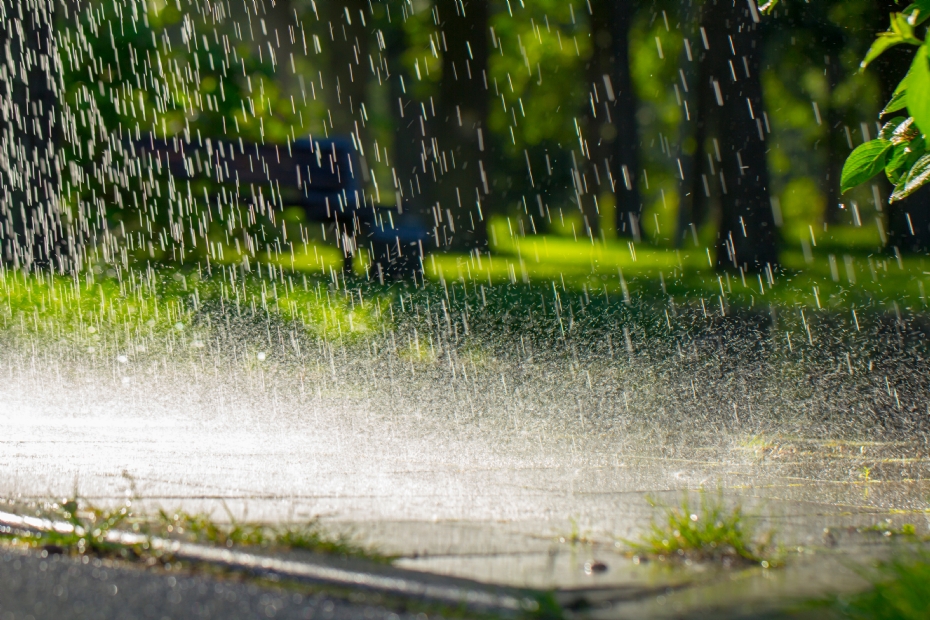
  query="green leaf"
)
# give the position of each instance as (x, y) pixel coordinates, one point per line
(884, 42)
(902, 158)
(896, 163)
(918, 176)
(889, 128)
(902, 26)
(918, 12)
(900, 31)
(918, 89)
(898, 100)
(907, 132)
(864, 163)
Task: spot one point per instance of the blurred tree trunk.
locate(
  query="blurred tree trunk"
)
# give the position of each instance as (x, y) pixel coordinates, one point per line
(694, 188)
(835, 139)
(908, 223)
(612, 139)
(459, 164)
(410, 128)
(272, 24)
(347, 91)
(349, 67)
(32, 228)
(730, 70)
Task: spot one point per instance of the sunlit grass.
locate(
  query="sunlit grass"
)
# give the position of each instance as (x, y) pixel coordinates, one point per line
(842, 269)
(907, 530)
(87, 309)
(88, 537)
(304, 284)
(102, 310)
(708, 531)
(331, 314)
(92, 525)
(846, 270)
(319, 258)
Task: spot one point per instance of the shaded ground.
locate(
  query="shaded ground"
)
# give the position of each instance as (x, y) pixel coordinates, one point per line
(32, 586)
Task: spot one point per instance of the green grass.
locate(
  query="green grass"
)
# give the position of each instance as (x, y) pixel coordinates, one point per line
(92, 524)
(843, 268)
(308, 536)
(908, 530)
(900, 591)
(89, 537)
(708, 531)
(104, 310)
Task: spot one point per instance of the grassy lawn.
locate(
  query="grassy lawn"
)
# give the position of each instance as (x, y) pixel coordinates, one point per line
(846, 269)
(305, 284)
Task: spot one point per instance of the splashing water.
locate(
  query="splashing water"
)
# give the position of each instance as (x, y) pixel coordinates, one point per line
(198, 335)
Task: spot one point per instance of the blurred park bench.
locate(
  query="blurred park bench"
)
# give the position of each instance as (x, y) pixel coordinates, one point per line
(321, 177)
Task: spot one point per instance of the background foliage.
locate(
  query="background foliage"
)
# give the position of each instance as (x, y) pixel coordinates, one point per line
(263, 74)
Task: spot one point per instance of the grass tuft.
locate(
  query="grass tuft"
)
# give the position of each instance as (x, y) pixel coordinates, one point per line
(89, 537)
(308, 536)
(908, 530)
(708, 531)
(91, 526)
(900, 591)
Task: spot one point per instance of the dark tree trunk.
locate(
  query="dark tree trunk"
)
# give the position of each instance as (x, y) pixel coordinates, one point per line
(830, 41)
(697, 101)
(346, 93)
(834, 139)
(694, 194)
(730, 75)
(349, 68)
(597, 129)
(462, 182)
(410, 128)
(908, 223)
(612, 138)
(32, 228)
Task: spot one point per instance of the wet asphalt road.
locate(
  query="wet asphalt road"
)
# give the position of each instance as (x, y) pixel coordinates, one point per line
(56, 588)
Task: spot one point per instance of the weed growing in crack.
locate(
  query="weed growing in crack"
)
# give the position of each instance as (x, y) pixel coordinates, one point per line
(706, 532)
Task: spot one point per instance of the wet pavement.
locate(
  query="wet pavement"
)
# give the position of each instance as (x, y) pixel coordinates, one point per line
(489, 485)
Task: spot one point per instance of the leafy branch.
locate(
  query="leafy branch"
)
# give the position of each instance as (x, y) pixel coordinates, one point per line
(901, 149)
